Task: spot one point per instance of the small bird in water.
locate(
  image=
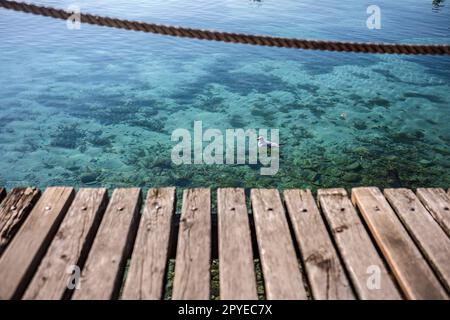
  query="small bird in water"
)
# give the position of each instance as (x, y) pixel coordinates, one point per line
(265, 143)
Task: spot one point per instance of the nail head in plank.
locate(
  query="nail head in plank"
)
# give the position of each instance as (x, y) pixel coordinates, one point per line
(25, 251)
(437, 203)
(282, 277)
(102, 274)
(145, 277)
(236, 268)
(325, 272)
(70, 246)
(13, 212)
(358, 252)
(192, 263)
(426, 232)
(407, 263)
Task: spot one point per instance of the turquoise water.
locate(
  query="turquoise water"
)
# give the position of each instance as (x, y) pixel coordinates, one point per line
(97, 106)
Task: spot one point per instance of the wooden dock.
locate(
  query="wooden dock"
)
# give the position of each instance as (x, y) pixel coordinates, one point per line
(372, 244)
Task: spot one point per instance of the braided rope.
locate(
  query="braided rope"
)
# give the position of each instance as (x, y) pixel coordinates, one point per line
(411, 49)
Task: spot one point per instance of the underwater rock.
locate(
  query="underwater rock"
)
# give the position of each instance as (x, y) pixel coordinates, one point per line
(429, 97)
(359, 124)
(89, 178)
(406, 137)
(100, 141)
(209, 101)
(394, 178)
(236, 121)
(425, 163)
(361, 151)
(162, 163)
(351, 177)
(311, 88)
(67, 136)
(260, 111)
(380, 102)
(150, 124)
(355, 166)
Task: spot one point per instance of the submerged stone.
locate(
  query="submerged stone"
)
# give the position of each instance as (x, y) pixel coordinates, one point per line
(89, 178)
(355, 166)
(351, 177)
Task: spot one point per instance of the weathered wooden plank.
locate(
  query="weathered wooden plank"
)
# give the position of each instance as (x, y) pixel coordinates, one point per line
(145, 277)
(437, 203)
(236, 268)
(325, 272)
(407, 263)
(102, 274)
(13, 212)
(282, 277)
(70, 246)
(2, 194)
(192, 263)
(358, 253)
(25, 251)
(425, 231)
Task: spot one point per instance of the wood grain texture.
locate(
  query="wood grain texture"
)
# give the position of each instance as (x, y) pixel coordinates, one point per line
(25, 251)
(236, 269)
(13, 212)
(428, 235)
(102, 274)
(282, 277)
(145, 277)
(325, 272)
(437, 202)
(70, 246)
(357, 250)
(192, 263)
(405, 260)
(2, 194)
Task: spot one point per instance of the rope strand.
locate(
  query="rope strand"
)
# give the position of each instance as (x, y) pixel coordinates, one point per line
(210, 35)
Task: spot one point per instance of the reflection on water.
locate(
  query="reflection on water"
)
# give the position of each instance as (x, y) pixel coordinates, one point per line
(97, 106)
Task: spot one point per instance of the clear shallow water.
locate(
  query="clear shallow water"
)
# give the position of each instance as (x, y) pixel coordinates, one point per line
(97, 106)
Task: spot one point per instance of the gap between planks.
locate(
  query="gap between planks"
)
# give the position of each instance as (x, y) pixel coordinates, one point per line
(13, 211)
(2, 194)
(323, 267)
(192, 264)
(146, 273)
(101, 276)
(236, 266)
(20, 260)
(408, 265)
(425, 231)
(437, 202)
(356, 248)
(282, 277)
(67, 253)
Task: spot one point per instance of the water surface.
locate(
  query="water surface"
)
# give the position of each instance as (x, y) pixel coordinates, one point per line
(97, 106)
